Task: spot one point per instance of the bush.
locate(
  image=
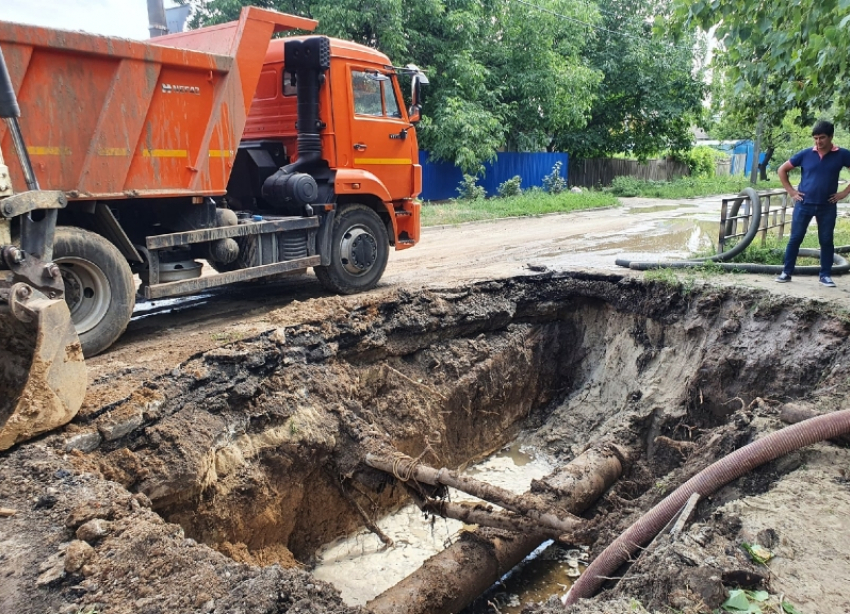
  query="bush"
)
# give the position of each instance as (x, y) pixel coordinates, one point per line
(684, 187)
(511, 187)
(701, 160)
(627, 186)
(553, 182)
(469, 188)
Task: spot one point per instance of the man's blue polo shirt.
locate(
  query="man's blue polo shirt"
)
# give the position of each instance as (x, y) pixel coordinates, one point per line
(820, 175)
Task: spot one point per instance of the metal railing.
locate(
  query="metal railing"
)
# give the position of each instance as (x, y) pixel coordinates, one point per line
(736, 214)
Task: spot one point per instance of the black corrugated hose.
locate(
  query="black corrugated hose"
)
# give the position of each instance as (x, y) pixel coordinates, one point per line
(840, 264)
(706, 482)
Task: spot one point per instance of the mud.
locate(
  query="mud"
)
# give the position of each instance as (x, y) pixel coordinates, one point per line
(207, 481)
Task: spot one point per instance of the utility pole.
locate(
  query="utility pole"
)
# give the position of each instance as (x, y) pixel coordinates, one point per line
(754, 173)
(156, 18)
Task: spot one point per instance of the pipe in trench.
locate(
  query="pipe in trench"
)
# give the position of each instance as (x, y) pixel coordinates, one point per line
(706, 482)
(453, 578)
(527, 505)
(840, 264)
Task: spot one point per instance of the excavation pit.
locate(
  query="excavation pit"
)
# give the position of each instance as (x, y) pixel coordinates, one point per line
(219, 479)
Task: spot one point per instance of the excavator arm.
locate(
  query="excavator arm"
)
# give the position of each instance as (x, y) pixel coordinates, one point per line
(42, 373)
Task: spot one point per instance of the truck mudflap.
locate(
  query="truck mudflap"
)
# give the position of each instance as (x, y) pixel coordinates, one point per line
(42, 372)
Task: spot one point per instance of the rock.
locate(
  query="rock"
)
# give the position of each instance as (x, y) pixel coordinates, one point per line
(52, 570)
(768, 538)
(45, 502)
(144, 602)
(278, 336)
(140, 500)
(94, 530)
(575, 190)
(117, 430)
(84, 442)
(6, 512)
(85, 512)
(77, 554)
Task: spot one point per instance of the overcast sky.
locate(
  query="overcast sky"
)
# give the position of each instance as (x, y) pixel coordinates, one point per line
(125, 18)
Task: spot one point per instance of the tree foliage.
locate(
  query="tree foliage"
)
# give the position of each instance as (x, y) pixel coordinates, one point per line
(778, 56)
(749, 114)
(652, 89)
(514, 74)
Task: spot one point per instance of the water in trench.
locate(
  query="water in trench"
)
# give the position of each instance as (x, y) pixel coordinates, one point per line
(361, 567)
(550, 570)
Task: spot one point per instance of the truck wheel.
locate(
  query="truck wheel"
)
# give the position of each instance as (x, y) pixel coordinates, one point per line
(359, 251)
(99, 286)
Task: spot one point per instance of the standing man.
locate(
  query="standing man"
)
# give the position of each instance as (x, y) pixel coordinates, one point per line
(815, 197)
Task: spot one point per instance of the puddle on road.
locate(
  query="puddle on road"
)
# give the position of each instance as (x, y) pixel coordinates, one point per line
(675, 239)
(361, 568)
(685, 237)
(660, 208)
(691, 228)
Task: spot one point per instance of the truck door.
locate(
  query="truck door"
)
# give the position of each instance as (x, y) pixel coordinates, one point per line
(379, 131)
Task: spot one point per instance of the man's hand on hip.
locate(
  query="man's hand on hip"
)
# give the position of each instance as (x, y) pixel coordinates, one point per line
(839, 196)
(796, 194)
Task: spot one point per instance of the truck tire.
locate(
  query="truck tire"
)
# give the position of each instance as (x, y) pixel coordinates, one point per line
(359, 251)
(99, 286)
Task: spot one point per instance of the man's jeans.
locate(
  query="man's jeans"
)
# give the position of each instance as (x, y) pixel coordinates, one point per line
(803, 213)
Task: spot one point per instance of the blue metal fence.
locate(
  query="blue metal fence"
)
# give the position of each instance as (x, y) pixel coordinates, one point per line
(440, 180)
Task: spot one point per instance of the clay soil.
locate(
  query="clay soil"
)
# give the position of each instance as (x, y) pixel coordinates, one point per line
(221, 441)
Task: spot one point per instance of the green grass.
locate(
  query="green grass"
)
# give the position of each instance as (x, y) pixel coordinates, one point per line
(772, 250)
(686, 187)
(530, 203)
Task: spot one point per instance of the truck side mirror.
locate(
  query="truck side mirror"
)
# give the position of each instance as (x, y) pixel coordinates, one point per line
(414, 113)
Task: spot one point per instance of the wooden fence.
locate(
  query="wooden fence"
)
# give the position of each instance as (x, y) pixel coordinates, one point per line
(601, 172)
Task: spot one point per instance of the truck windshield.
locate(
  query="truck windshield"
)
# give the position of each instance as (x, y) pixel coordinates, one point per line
(373, 94)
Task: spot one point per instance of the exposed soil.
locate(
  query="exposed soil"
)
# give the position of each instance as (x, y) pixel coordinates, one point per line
(221, 445)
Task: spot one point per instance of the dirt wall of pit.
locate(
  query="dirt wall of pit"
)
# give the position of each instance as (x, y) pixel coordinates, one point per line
(255, 448)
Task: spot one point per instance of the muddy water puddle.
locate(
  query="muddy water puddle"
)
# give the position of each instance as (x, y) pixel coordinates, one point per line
(550, 570)
(674, 239)
(361, 567)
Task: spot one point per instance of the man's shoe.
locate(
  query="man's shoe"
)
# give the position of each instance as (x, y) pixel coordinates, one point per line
(783, 278)
(826, 280)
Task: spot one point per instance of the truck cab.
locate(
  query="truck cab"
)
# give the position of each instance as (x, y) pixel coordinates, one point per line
(367, 139)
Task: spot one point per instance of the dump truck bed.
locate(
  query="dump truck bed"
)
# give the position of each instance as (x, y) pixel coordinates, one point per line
(110, 118)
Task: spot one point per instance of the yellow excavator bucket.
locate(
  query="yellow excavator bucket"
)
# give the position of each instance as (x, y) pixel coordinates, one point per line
(42, 373)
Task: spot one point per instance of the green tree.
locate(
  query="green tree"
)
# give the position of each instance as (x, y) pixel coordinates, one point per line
(779, 56)
(536, 65)
(504, 73)
(750, 113)
(652, 89)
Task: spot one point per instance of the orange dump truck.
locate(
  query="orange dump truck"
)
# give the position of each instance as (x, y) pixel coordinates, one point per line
(260, 156)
